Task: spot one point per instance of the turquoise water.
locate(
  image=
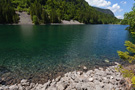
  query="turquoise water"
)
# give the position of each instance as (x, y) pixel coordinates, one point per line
(35, 52)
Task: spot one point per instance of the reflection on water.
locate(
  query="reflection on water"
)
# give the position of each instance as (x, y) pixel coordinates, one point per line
(27, 32)
(35, 52)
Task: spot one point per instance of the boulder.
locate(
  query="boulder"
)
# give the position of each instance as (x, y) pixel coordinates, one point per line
(24, 82)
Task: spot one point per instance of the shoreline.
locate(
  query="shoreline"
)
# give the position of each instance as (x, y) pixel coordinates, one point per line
(97, 79)
(68, 23)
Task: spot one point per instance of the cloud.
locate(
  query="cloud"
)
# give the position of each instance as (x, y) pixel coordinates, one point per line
(115, 8)
(120, 17)
(99, 3)
(106, 4)
(123, 2)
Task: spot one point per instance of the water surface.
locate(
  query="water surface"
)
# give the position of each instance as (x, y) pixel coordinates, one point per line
(39, 53)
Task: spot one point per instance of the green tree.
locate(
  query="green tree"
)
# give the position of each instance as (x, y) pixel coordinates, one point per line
(129, 55)
(45, 17)
(54, 17)
(126, 55)
(130, 19)
(35, 20)
(7, 12)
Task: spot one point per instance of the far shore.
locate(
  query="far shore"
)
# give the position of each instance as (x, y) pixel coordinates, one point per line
(63, 22)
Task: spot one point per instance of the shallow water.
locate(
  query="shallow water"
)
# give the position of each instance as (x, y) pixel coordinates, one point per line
(39, 53)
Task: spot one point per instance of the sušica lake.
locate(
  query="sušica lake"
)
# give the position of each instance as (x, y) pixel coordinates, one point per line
(38, 53)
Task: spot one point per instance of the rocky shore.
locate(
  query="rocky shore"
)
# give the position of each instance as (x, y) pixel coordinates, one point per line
(97, 79)
(72, 22)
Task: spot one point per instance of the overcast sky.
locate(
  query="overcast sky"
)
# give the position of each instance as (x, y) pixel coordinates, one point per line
(119, 7)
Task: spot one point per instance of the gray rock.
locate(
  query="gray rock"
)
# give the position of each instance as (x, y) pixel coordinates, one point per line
(24, 82)
(106, 81)
(97, 87)
(84, 68)
(102, 85)
(39, 87)
(111, 77)
(4, 88)
(20, 87)
(52, 88)
(88, 73)
(61, 85)
(1, 88)
(116, 63)
(91, 79)
(79, 73)
(32, 85)
(96, 70)
(107, 61)
(101, 69)
(13, 87)
(78, 86)
(45, 86)
(58, 79)
(108, 87)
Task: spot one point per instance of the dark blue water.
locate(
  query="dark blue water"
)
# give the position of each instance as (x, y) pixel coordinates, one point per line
(35, 52)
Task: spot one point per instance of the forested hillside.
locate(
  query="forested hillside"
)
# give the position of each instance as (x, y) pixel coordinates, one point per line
(7, 12)
(53, 11)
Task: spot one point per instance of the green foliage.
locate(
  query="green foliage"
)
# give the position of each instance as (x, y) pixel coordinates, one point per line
(126, 55)
(129, 18)
(129, 55)
(133, 80)
(36, 9)
(19, 9)
(35, 19)
(54, 17)
(7, 12)
(53, 11)
(126, 73)
(45, 17)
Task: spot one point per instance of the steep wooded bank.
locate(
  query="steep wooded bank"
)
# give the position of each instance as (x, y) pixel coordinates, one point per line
(53, 11)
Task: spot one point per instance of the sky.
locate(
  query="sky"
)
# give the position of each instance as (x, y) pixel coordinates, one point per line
(119, 7)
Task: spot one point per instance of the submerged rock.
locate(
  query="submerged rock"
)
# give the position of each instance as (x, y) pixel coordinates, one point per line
(107, 61)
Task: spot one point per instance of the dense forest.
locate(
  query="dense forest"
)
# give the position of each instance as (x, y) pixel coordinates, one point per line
(53, 11)
(7, 12)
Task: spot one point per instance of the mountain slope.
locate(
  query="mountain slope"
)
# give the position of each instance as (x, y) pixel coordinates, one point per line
(106, 11)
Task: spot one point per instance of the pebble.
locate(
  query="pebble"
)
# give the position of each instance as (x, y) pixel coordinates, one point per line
(84, 68)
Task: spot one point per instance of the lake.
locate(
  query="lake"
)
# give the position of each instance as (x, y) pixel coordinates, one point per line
(43, 52)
